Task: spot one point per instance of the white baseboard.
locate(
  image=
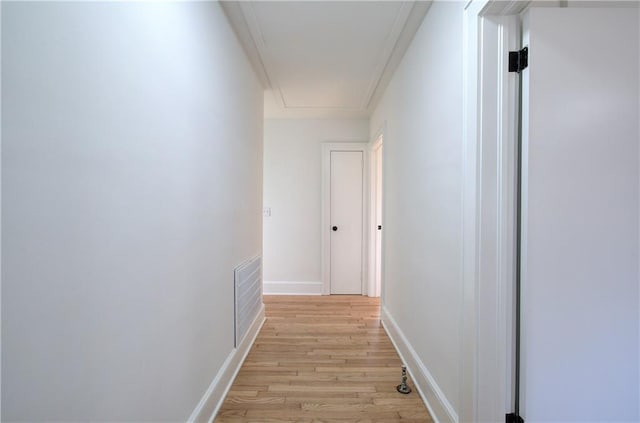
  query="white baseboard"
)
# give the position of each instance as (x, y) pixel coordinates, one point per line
(440, 408)
(213, 398)
(292, 288)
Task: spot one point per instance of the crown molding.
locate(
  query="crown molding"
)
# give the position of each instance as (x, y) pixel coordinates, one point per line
(246, 25)
(419, 10)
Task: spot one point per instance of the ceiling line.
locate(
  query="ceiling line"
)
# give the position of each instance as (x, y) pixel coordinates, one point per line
(246, 21)
(384, 57)
(257, 36)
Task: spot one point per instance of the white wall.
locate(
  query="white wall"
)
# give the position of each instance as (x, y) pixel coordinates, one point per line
(292, 189)
(422, 107)
(131, 187)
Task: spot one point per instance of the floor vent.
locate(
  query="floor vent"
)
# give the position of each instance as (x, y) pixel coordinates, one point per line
(248, 295)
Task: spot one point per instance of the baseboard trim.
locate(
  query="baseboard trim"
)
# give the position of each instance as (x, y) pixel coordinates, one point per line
(213, 398)
(440, 408)
(292, 288)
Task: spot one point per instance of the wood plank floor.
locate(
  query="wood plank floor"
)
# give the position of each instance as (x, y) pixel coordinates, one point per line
(321, 359)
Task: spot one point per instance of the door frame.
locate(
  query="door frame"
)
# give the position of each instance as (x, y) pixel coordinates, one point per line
(325, 205)
(373, 289)
(491, 30)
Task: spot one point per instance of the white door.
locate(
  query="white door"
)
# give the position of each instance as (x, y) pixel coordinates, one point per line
(378, 220)
(580, 216)
(346, 222)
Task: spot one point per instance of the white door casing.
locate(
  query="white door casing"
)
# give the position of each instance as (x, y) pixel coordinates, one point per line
(490, 108)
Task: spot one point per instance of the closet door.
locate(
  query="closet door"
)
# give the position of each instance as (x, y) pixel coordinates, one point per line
(580, 215)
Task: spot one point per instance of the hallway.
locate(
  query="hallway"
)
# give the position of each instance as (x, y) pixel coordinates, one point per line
(321, 357)
(469, 168)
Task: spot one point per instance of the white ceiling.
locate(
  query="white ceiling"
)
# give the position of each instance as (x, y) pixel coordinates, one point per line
(324, 58)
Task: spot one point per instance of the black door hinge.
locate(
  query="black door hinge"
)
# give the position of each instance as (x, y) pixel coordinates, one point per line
(518, 60)
(513, 418)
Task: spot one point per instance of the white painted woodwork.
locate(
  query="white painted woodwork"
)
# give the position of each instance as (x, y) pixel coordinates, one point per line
(490, 138)
(216, 393)
(377, 205)
(440, 409)
(324, 59)
(346, 189)
(580, 215)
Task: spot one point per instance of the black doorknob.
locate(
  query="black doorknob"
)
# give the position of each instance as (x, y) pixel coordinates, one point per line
(335, 228)
(379, 227)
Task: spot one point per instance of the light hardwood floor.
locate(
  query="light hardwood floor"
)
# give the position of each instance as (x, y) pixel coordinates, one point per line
(321, 359)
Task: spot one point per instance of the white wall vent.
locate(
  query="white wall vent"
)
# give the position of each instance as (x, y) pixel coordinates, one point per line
(248, 295)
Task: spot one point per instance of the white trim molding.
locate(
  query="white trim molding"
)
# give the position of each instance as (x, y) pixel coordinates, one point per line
(213, 398)
(327, 148)
(490, 123)
(292, 288)
(437, 403)
(247, 25)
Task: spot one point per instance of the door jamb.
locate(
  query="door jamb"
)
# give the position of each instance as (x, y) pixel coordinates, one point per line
(325, 205)
(488, 251)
